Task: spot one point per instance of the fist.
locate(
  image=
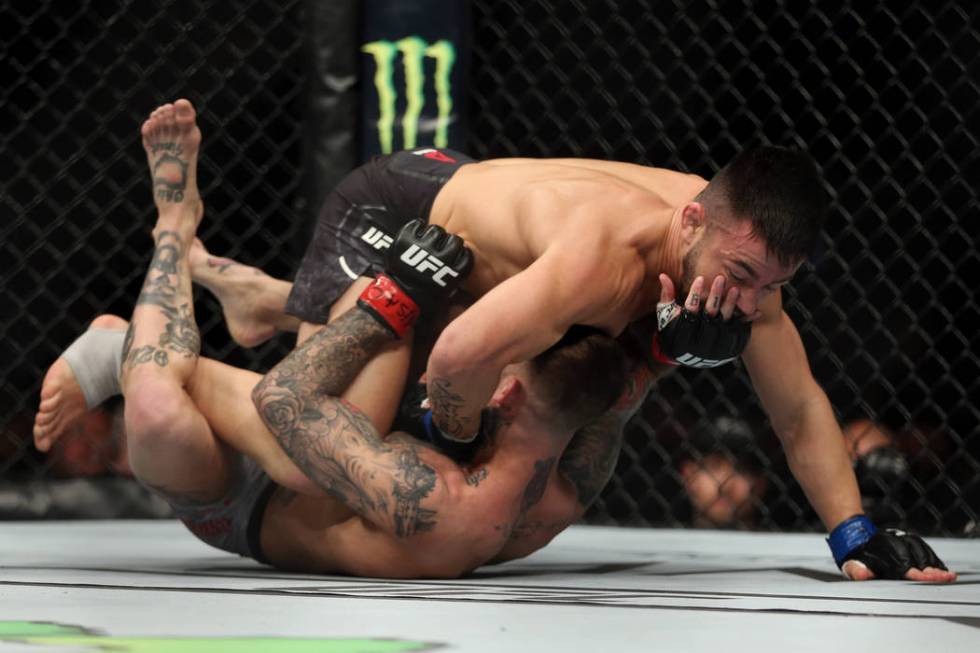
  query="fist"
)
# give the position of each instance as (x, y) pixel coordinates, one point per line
(428, 263)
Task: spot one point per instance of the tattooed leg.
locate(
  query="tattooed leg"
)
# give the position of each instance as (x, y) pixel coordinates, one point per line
(171, 444)
(253, 303)
(163, 333)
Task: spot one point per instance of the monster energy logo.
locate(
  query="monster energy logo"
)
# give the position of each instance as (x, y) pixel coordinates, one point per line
(414, 51)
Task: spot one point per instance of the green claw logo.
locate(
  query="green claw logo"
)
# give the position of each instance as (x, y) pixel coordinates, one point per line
(414, 51)
(62, 638)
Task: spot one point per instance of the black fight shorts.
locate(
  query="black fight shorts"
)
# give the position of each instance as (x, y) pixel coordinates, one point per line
(359, 220)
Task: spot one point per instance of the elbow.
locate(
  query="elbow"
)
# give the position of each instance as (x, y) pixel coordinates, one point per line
(258, 395)
(458, 351)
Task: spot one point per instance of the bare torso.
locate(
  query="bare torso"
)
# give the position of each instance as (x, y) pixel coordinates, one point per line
(319, 534)
(482, 204)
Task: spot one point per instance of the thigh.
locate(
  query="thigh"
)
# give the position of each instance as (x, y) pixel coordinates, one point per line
(223, 394)
(173, 451)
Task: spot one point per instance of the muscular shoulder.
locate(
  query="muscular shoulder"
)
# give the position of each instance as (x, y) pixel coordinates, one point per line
(601, 272)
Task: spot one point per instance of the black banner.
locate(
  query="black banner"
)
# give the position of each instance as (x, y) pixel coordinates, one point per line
(413, 65)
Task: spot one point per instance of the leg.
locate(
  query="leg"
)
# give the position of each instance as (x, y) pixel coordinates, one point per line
(171, 446)
(253, 303)
(378, 389)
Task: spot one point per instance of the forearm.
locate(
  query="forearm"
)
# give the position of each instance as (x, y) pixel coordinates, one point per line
(309, 381)
(334, 444)
(325, 364)
(458, 397)
(818, 458)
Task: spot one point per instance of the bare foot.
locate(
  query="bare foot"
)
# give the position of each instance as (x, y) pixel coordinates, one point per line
(172, 140)
(253, 303)
(62, 402)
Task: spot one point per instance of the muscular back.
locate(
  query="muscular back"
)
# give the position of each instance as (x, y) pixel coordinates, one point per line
(510, 211)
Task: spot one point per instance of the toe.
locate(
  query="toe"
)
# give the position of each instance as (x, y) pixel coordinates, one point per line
(49, 399)
(43, 417)
(184, 111)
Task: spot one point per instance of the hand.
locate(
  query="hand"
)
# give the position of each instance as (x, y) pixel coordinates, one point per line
(864, 552)
(424, 265)
(712, 306)
(895, 554)
(428, 263)
(698, 336)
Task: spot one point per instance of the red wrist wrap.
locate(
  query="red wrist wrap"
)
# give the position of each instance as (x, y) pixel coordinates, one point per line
(657, 354)
(390, 305)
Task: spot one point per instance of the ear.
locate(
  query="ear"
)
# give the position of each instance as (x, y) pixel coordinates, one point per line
(692, 221)
(509, 397)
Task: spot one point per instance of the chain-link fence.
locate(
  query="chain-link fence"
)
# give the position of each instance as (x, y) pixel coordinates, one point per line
(884, 97)
(78, 80)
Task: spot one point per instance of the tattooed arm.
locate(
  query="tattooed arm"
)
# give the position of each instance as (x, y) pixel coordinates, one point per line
(333, 442)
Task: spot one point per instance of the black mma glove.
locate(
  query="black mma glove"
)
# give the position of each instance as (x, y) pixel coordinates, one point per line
(888, 553)
(416, 420)
(423, 266)
(882, 474)
(461, 451)
(696, 339)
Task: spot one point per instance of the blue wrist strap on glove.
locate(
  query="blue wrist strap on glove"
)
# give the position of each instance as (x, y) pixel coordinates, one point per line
(427, 423)
(461, 452)
(849, 535)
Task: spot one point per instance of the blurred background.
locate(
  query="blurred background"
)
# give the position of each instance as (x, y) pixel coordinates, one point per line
(291, 94)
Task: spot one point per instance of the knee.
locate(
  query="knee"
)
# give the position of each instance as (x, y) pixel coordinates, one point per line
(155, 414)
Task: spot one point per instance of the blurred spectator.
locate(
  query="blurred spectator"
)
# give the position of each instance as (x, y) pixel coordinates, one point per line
(724, 474)
(882, 471)
(93, 447)
(86, 475)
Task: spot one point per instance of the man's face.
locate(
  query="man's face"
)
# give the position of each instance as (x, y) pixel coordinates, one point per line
(720, 494)
(733, 251)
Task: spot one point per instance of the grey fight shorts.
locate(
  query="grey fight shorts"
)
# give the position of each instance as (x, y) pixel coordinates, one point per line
(234, 522)
(359, 220)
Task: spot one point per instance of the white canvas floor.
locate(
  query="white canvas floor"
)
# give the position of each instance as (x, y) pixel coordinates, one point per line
(151, 587)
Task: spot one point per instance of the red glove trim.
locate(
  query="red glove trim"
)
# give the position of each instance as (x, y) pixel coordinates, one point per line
(659, 355)
(389, 304)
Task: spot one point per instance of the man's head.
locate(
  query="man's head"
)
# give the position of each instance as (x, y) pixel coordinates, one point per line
(568, 385)
(755, 222)
(722, 467)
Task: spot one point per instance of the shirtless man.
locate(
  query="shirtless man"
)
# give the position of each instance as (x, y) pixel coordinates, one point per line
(392, 507)
(569, 241)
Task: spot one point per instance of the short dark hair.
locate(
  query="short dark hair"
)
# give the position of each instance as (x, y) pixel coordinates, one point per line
(780, 191)
(732, 438)
(581, 376)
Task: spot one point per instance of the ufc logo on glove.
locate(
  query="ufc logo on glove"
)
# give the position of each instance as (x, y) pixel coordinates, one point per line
(424, 262)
